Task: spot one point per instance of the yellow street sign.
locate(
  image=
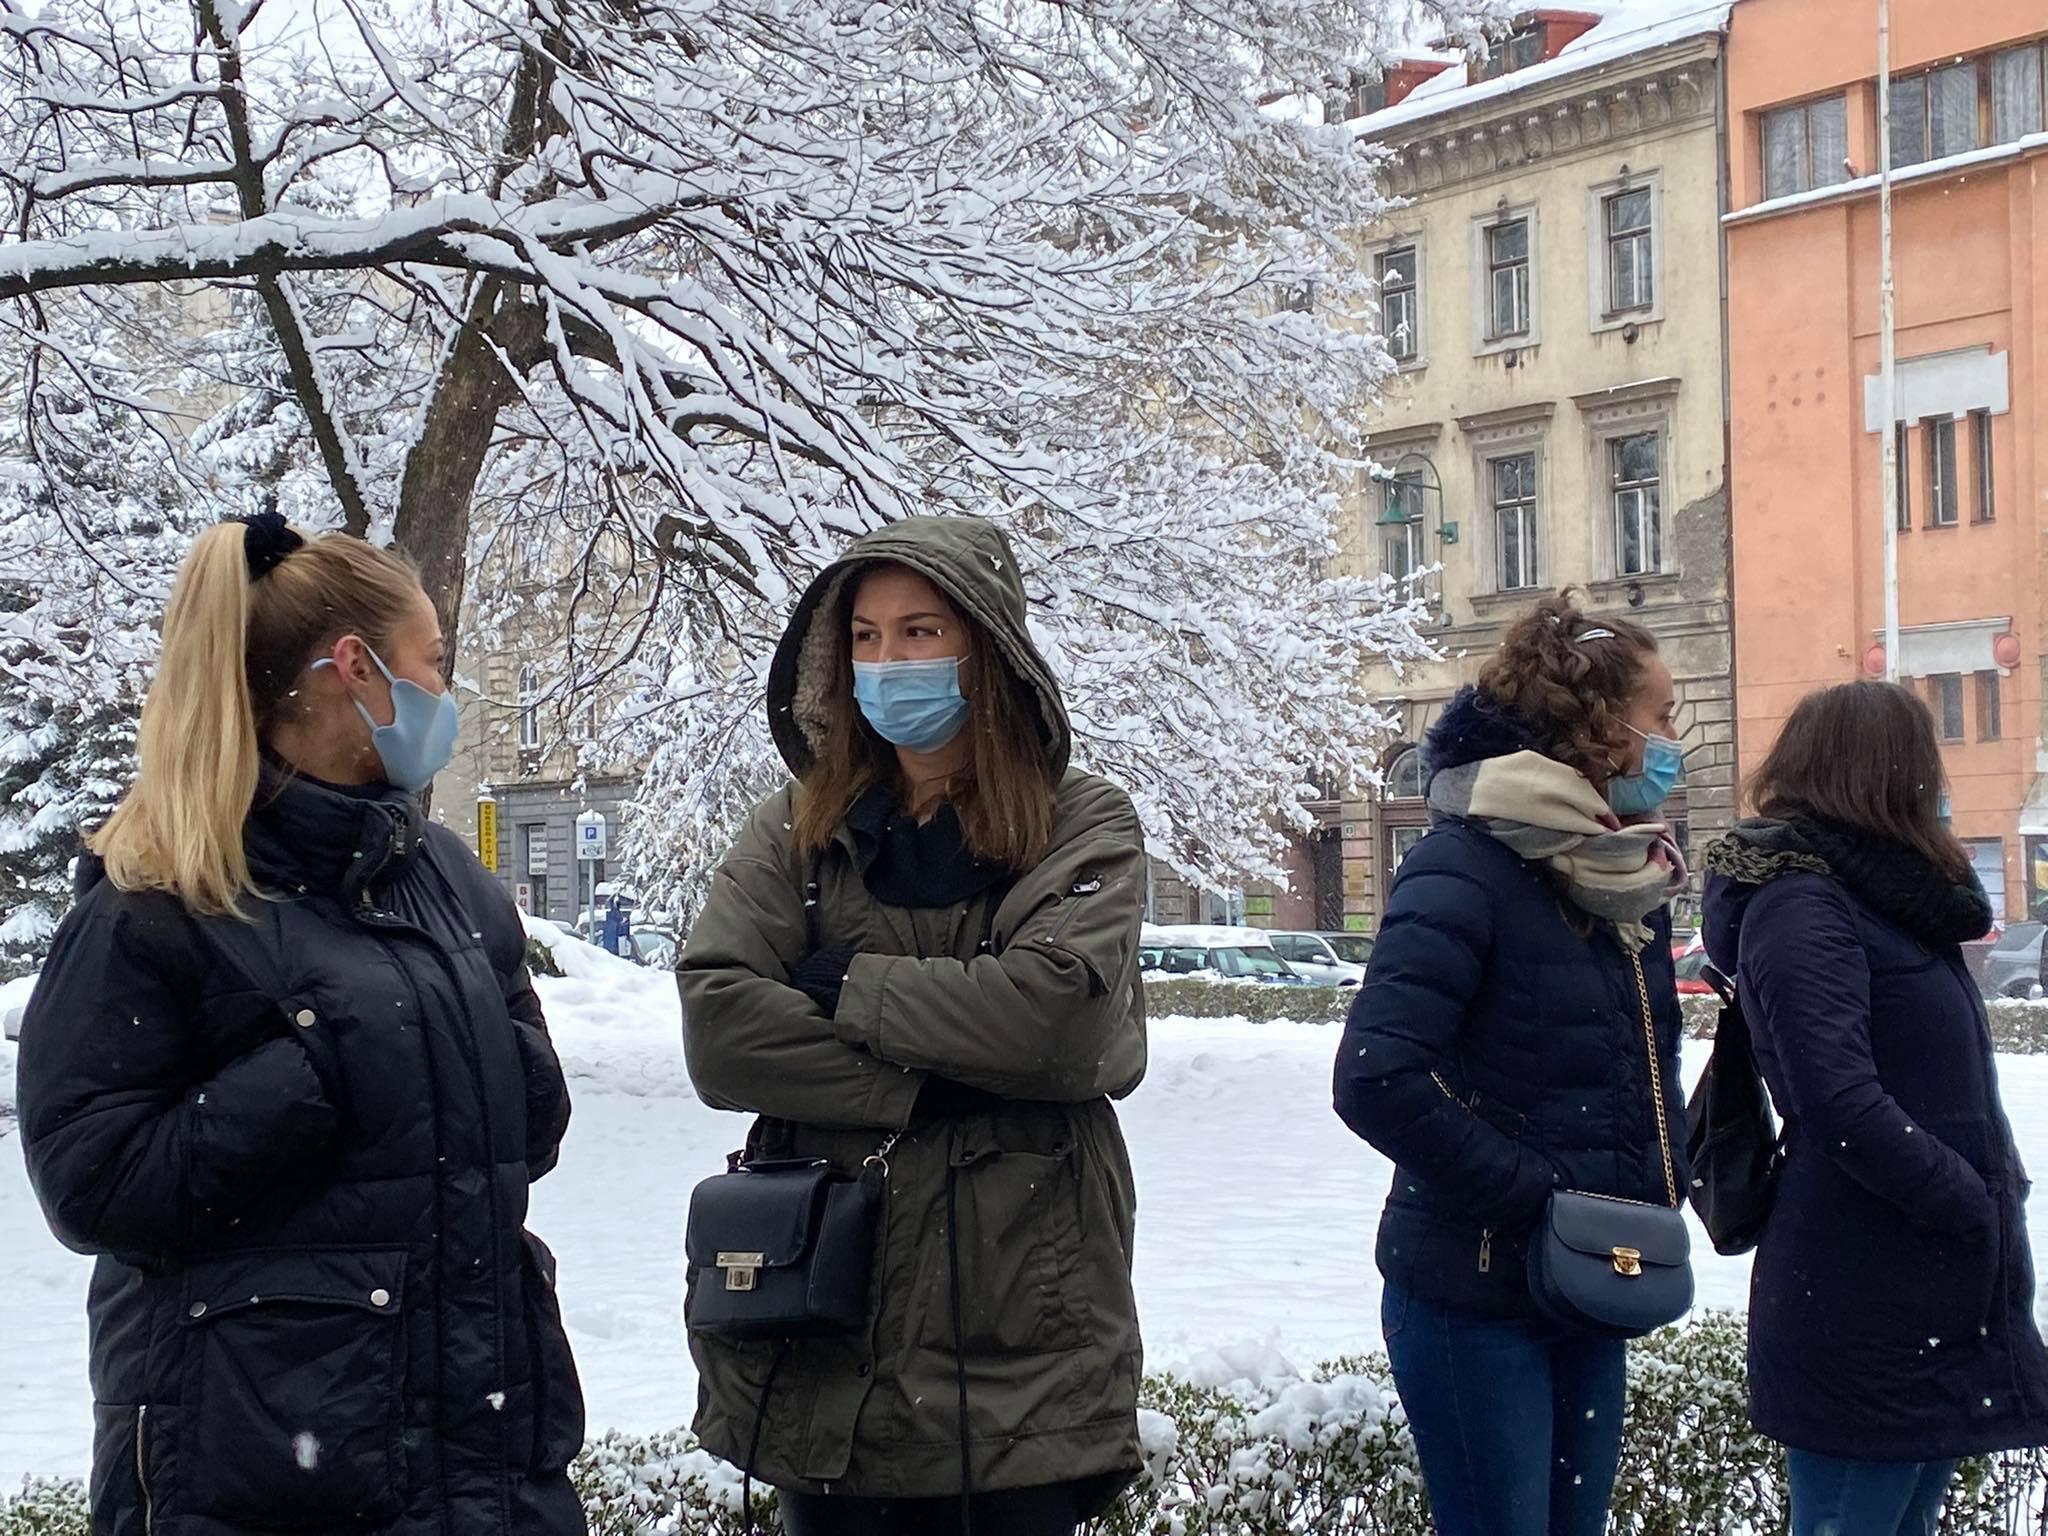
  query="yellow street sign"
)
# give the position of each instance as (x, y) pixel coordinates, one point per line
(487, 833)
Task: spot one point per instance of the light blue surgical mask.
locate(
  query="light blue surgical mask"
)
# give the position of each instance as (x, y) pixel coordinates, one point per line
(915, 705)
(420, 739)
(1638, 794)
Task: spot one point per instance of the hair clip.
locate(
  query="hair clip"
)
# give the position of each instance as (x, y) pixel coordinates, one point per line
(267, 539)
(1593, 634)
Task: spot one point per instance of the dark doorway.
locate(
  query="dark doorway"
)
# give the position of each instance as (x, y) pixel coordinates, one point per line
(1327, 849)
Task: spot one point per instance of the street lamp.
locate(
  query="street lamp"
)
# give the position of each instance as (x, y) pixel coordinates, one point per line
(1406, 480)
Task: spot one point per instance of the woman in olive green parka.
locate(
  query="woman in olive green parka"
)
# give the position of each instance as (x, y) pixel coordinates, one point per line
(967, 976)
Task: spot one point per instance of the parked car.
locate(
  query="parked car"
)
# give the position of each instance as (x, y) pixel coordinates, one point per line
(2017, 965)
(1317, 958)
(654, 946)
(1239, 954)
(1689, 959)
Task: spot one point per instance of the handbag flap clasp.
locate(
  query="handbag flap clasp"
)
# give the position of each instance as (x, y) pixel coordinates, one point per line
(763, 1217)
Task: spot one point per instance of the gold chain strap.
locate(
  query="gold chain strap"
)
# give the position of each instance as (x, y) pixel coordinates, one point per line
(1656, 1080)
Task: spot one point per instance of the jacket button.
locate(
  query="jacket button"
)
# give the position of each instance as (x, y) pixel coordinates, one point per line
(306, 1018)
(380, 1297)
(197, 1309)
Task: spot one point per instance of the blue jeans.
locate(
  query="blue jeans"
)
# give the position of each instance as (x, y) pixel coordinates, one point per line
(1517, 1423)
(1833, 1497)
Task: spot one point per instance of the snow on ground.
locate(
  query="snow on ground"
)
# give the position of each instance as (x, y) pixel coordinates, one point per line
(1255, 1223)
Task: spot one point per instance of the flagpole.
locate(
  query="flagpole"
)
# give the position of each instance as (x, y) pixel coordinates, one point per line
(1887, 341)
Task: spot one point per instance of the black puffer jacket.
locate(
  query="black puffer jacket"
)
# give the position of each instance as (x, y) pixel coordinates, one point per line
(301, 1147)
(1891, 1307)
(1497, 1051)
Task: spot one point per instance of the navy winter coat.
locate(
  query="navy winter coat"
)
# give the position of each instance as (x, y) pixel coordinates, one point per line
(1498, 1051)
(301, 1146)
(1891, 1302)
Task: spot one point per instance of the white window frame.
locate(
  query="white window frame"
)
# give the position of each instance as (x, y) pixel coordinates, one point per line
(1599, 278)
(1484, 342)
(1610, 443)
(529, 707)
(1419, 292)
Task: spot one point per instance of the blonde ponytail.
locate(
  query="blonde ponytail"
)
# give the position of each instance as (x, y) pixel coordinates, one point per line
(180, 827)
(234, 651)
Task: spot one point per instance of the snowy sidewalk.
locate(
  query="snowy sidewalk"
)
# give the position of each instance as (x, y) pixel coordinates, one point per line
(1255, 1224)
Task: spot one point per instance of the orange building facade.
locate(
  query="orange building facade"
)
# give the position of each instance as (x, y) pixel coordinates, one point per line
(1970, 150)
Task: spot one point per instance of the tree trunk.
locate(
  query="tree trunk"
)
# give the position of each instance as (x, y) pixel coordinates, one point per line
(447, 460)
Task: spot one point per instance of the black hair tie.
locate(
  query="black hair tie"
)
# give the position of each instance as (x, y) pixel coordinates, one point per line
(268, 540)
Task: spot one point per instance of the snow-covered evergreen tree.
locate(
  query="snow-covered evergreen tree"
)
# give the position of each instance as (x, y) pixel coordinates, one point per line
(93, 520)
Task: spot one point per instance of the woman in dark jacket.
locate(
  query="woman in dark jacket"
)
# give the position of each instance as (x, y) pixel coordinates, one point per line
(1891, 1321)
(1518, 1034)
(929, 942)
(285, 1075)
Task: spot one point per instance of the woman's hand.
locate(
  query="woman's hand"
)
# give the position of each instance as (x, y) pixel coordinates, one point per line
(821, 976)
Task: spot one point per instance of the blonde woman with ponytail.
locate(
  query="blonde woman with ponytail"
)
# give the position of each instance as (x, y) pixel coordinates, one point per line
(286, 1077)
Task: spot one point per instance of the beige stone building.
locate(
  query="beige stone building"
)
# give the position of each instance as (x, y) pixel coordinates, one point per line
(1552, 290)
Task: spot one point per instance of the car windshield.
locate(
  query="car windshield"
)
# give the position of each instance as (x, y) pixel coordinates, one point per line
(1248, 962)
(1352, 948)
(2022, 936)
(654, 947)
(1177, 960)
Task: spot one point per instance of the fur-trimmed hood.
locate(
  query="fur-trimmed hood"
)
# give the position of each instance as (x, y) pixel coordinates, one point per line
(968, 559)
(1474, 727)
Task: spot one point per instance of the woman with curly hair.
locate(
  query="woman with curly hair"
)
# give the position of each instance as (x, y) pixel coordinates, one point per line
(1517, 1035)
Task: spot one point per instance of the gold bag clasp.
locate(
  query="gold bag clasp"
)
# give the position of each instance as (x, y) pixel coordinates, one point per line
(1628, 1261)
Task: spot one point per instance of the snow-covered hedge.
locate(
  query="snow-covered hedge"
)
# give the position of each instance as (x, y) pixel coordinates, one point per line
(1328, 1453)
(2019, 1029)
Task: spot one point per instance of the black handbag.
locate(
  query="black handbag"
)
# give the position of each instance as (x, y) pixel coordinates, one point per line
(1731, 1144)
(1618, 1268)
(783, 1250)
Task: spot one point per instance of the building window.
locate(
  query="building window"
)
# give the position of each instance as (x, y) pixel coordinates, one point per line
(1935, 115)
(1405, 777)
(1401, 523)
(1945, 693)
(1514, 520)
(1806, 146)
(1943, 495)
(1980, 453)
(1362, 95)
(1987, 858)
(1905, 485)
(1631, 278)
(1400, 303)
(1518, 52)
(2019, 93)
(1507, 273)
(1990, 714)
(1634, 469)
(529, 708)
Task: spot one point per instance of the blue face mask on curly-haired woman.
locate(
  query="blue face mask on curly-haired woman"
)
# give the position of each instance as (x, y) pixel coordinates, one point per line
(1640, 794)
